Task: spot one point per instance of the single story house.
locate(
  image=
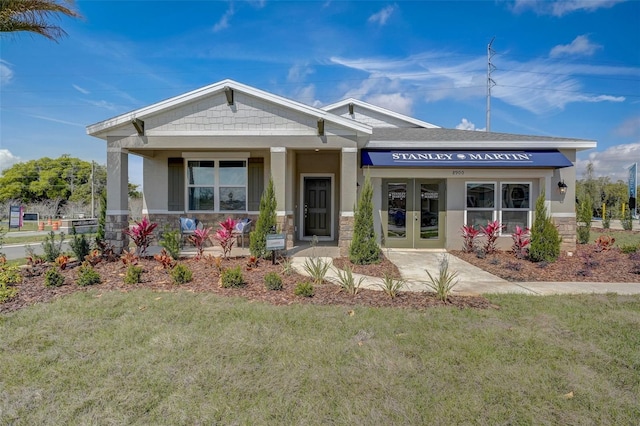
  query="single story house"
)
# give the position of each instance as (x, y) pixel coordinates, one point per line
(209, 153)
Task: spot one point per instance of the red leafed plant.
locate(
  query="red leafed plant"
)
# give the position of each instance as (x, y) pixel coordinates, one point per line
(225, 236)
(141, 234)
(129, 257)
(199, 238)
(492, 232)
(521, 239)
(164, 259)
(469, 234)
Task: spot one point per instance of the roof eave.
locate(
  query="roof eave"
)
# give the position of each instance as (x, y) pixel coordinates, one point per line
(578, 145)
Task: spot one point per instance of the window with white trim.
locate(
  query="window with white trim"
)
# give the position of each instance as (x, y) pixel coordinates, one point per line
(510, 205)
(217, 185)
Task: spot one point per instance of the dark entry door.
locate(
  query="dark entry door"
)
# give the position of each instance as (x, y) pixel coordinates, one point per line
(317, 206)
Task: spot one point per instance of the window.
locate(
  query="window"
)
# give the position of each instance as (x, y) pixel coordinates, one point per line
(513, 208)
(217, 185)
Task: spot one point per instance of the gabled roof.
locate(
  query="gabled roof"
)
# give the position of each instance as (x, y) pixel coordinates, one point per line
(380, 110)
(385, 138)
(126, 119)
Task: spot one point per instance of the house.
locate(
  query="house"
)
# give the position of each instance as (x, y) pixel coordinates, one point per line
(210, 152)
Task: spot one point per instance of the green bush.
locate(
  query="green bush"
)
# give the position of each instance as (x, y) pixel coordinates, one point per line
(9, 275)
(364, 248)
(266, 221)
(80, 245)
(316, 268)
(133, 275)
(629, 248)
(347, 281)
(53, 278)
(545, 239)
(304, 289)
(7, 292)
(273, 281)
(170, 241)
(232, 277)
(583, 217)
(584, 232)
(87, 275)
(181, 274)
(391, 286)
(52, 249)
(627, 221)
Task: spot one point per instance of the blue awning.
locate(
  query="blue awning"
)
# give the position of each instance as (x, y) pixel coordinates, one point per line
(472, 158)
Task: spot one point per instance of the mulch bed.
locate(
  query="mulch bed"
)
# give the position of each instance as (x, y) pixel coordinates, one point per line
(206, 279)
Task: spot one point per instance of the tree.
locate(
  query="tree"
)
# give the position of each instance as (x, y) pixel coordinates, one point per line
(265, 223)
(35, 16)
(364, 248)
(545, 238)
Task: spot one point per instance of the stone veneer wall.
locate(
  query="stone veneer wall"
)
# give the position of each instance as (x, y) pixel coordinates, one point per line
(567, 230)
(345, 234)
(114, 232)
(285, 225)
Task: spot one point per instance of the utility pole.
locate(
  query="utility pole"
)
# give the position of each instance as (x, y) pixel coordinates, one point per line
(490, 82)
(92, 192)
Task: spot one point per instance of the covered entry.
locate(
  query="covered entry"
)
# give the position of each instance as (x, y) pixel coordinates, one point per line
(317, 207)
(413, 213)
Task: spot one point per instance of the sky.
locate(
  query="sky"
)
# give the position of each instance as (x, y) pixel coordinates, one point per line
(562, 68)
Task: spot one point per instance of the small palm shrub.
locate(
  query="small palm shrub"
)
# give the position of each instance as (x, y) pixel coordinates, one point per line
(79, 244)
(133, 275)
(545, 238)
(347, 281)
(87, 275)
(170, 241)
(53, 278)
(51, 248)
(443, 283)
(273, 281)
(304, 289)
(391, 286)
(317, 268)
(231, 277)
(181, 274)
(287, 266)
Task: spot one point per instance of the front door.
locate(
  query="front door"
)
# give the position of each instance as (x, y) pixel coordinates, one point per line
(317, 207)
(413, 213)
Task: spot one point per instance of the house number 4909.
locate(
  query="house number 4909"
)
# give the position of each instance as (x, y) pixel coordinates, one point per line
(458, 172)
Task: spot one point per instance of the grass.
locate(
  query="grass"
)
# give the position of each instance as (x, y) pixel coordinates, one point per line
(182, 358)
(622, 238)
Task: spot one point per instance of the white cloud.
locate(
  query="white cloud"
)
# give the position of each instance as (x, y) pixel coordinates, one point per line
(103, 104)
(7, 159)
(561, 7)
(629, 127)
(539, 85)
(580, 46)
(396, 102)
(613, 162)
(56, 120)
(383, 15)
(6, 73)
(467, 125)
(223, 23)
(80, 89)
(298, 73)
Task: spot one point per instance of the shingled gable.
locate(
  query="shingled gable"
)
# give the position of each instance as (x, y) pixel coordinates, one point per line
(374, 115)
(153, 117)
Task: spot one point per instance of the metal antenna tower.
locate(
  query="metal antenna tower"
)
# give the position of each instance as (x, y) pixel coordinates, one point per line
(490, 81)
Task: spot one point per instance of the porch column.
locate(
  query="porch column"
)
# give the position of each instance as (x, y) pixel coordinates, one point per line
(348, 197)
(279, 176)
(117, 198)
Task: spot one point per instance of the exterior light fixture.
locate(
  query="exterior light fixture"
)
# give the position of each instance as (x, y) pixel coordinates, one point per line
(562, 187)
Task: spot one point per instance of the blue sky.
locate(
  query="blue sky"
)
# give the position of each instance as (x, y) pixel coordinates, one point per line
(563, 68)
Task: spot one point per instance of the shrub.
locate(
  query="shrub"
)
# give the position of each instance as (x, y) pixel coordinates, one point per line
(62, 261)
(7, 292)
(443, 283)
(390, 285)
(133, 275)
(170, 241)
(287, 266)
(142, 235)
(583, 217)
(225, 237)
(629, 248)
(9, 275)
(273, 281)
(79, 244)
(364, 248)
(164, 259)
(87, 275)
(3, 232)
(199, 239)
(265, 223)
(469, 234)
(347, 281)
(627, 221)
(317, 268)
(545, 239)
(102, 215)
(52, 249)
(492, 232)
(304, 289)
(129, 257)
(606, 219)
(181, 274)
(53, 278)
(231, 277)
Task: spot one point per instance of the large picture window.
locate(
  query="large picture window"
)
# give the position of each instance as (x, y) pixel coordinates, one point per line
(510, 205)
(217, 185)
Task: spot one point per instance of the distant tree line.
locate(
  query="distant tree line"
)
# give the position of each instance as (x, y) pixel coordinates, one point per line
(600, 190)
